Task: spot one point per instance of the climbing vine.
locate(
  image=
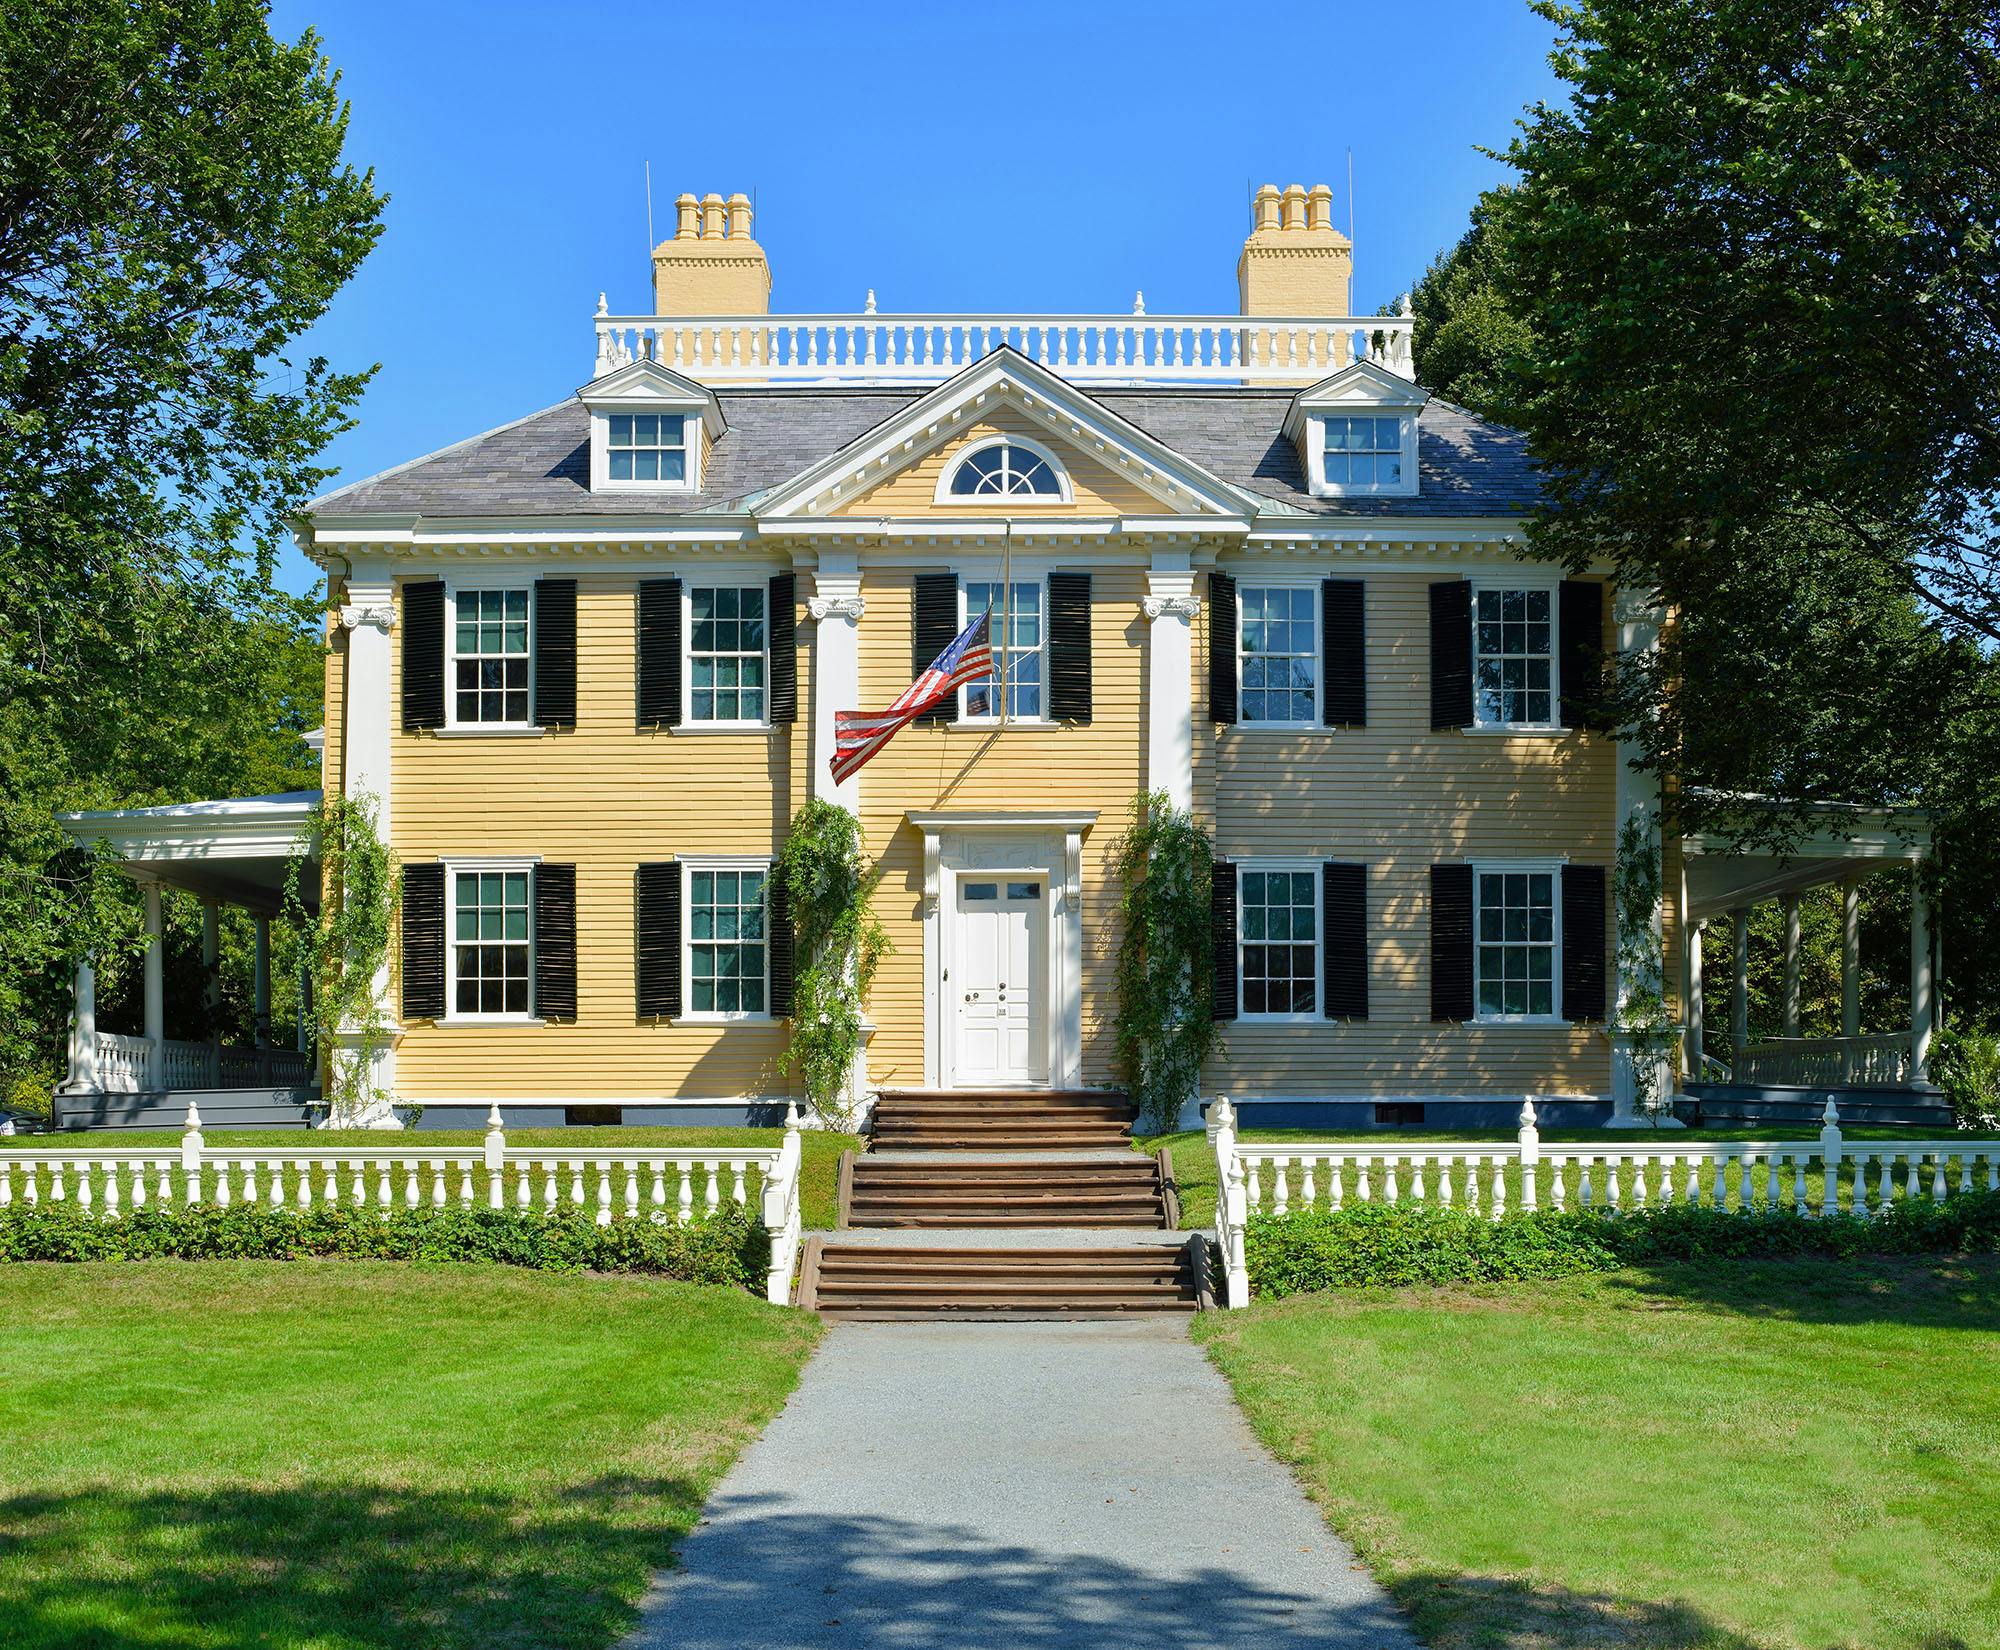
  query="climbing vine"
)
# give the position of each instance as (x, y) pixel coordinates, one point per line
(345, 944)
(839, 943)
(1166, 965)
(1643, 1017)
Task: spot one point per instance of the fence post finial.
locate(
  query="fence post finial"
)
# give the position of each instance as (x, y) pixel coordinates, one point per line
(1829, 1163)
(792, 1123)
(869, 307)
(1139, 302)
(1530, 1138)
(496, 1140)
(192, 1144)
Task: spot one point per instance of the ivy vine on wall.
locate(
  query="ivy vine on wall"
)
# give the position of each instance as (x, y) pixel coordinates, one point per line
(1643, 1017)
(1166, 965)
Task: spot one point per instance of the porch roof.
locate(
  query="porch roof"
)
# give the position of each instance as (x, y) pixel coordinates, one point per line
(1853, 842)
(234, 849)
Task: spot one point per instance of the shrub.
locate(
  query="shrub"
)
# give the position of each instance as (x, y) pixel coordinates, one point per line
(1393, 1246)
(725, 1247)
(1966, 1065)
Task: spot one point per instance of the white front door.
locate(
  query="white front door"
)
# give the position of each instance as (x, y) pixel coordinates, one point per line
(1000, 983)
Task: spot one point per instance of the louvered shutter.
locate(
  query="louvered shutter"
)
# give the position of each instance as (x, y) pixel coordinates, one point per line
(933, 626)
(555, 942)
(1221, 648)
(780, 940)
(1451, 654)
(423, 942)
(1343, 647)
(1580, 637)
(1222, 938)
(658, 911)
(555, 653)
(1069, 647)
(1344, 940)
(782, 631)
(1451, 941)
(423, 654)
(1583, 937)
(660, 653)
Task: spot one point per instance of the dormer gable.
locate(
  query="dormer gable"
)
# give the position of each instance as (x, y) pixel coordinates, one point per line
(1357, 433)
(650, 429)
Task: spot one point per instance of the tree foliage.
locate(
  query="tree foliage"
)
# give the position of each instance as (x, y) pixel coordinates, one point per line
(1166, 961)
(1467, 336)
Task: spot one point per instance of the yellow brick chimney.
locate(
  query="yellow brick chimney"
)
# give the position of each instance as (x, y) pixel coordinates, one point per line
(711, 265)
(1294, 261)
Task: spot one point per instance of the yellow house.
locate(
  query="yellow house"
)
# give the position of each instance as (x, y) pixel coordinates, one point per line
(587, 664)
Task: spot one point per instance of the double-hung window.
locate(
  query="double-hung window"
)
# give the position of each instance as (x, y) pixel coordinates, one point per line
(1362, 454)
(1277, 915)
(1016, 636)
(647, 447)
(728, 946)
(491, 658)
(1516, 924)
(727, 642)
(492, 945)
(1513, 657)
(1278, 653)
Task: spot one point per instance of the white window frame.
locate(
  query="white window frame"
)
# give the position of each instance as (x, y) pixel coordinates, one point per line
(721, 581)
(1250, 581)
(1315, 868)
(693, 431)
(720, 862)
(1032, 575)
(1064, 494)
(1553, 869)
(453, 869)
(486, 585)
(1322, 487)
(1552, 587)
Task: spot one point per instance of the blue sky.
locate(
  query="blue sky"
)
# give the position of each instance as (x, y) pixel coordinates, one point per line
(1024, 157)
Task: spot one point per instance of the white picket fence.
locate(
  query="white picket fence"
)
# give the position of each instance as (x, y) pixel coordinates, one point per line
(1825, 1178)
(658, 1184)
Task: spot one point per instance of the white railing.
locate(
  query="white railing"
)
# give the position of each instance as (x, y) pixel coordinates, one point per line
(187, 1065)
(124, 1064)
(1879, 1061)
(658, 1184)
(926, 349)
(1826, 1178)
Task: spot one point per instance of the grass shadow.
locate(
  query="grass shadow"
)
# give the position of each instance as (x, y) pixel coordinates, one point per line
(1924, 1291)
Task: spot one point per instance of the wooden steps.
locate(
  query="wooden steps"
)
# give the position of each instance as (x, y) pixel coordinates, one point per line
(854, 1280)
(1035, 1120)
(1127, 1191)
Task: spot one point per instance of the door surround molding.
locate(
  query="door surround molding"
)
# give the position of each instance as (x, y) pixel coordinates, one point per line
(1034, 842)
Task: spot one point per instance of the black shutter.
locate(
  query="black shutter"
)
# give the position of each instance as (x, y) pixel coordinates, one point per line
(782, 629)
(555, 942)
(1343, 897)
(1222, 937)
(1580, 635)
(658, 910)
(423, 654)
(1221, 648)
(933, 625)
(1069, 647)
(555, 653)
(423, 942)
(1451, 941)
(1583, 942)
(660, 653)
(1343, 648)
(1451, 654)
(780, 940)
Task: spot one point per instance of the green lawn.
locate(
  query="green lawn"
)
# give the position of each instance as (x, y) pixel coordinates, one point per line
(1797, 1455)
(307, 1454)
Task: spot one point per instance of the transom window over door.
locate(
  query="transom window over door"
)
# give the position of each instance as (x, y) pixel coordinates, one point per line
(1016, 633)
(490, 942)
(1516, 951)
(648, 447)
(726, 643)
(1278, 913)
(1279, 649)
(1513, 658)
(727, 947)
(1005, 470)
(490, 650)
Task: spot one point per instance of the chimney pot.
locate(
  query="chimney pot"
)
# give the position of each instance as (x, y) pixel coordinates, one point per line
(1319, 207)
(1295, 206)
(712, 211)
(1264, 213)
(739, 216)
(685, 209)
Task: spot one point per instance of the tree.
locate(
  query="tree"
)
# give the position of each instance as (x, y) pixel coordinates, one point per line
(174, 215)
(1467, 335)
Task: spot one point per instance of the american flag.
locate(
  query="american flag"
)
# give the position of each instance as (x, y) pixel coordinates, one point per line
(858, 735)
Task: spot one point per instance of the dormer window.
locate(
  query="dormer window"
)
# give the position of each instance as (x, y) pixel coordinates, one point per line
(1011, 469)
(650, 429)
(648, 447)
(1357, 433)
(1362, 455)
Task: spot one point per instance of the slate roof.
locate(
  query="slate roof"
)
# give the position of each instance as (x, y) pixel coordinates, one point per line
(540, 465)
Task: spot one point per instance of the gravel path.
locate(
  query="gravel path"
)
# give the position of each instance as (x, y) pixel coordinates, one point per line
(937, 1485)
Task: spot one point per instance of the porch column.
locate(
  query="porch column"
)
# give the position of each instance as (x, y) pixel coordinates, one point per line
(836, 608)
(1170, 607)
(1739, 986)
(156, 991)
(1922, 1010)
(1791, 965)
(261, 998)
(82, 1076)
(367, 617)
(1696, 1009)
(1850, 959)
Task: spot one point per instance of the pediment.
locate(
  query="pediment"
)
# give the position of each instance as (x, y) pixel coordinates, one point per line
(1360, 388)
(647, 384)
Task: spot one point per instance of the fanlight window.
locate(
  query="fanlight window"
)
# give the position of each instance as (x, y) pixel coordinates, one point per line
(1006, 471)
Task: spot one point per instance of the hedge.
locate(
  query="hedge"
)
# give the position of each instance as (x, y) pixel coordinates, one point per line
(723, 1247)
(1396, 1245)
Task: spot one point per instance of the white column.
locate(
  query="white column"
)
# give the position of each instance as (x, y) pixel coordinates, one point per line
(1639, 945)
(1791, 907)
(82, 1076)
(261, 985)
(1697, 1009)
(1923, 1021)
(1739, 985)
(211, 961)
(836, 608)
(1170, 607)
(156, 990)
(1850, 960)
(368, 617)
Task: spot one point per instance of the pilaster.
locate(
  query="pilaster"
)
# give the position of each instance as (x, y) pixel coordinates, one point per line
(1170, 607)
(836, 608)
